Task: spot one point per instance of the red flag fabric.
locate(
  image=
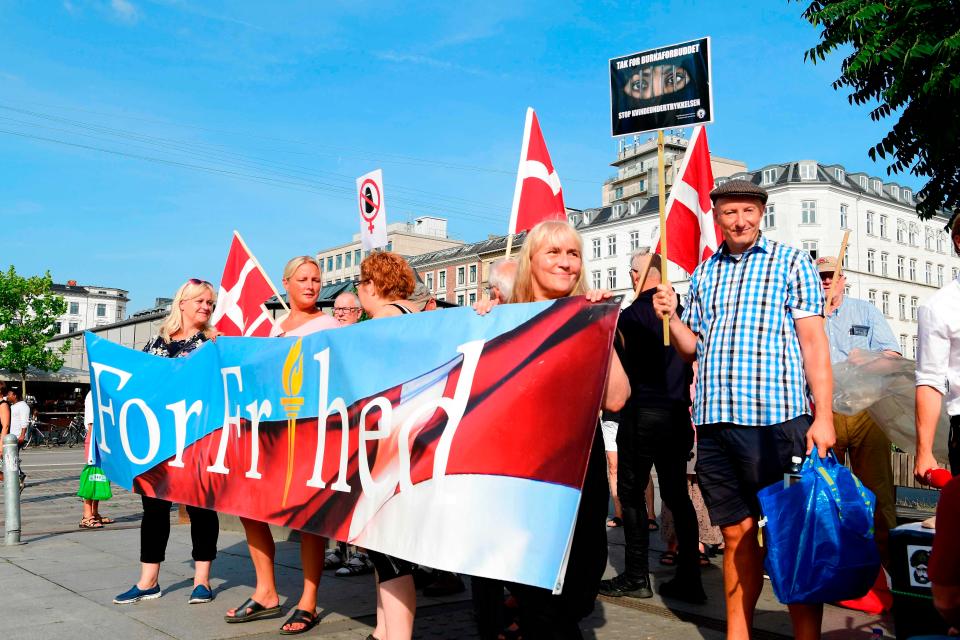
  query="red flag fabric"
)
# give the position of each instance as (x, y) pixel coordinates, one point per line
(244, 290)
(692, 236)
(538, 195)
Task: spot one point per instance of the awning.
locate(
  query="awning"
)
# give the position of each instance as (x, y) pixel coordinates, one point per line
(65, 374)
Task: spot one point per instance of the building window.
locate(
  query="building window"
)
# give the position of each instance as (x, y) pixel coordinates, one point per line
(913, 269)
(872, 296)
(808, 170)
(430, 281)
(770, 217)
(914, 303)
(808, 212)
(595, 279)
(347, 259)
(811, 246)
(612, 278)
(939, 275)
(73, 327)
(901, 231)
(472, 298)
(102, 309)
(473, 274)
(914, 231)
(611, 245)
(902, 306)
(329, 263)
(907, 195)
(459, 299)
(870, 223)
(903, 343)
(900, 267)
(460, 275)
(443, 279)
(339, 261)
(941, 243)
(885, 303)
(883, 225)
(863, 182)
(74, 308)
(884, 259)
(871, 260)
(954, 273)
(928, 238)
(843, 216)
(769, 176)
(928, 273)
(596, 247)
(895, 192)
(839, 175)
(356, 257)
(634, 240)
(390, 246)
(877, 186)
(913, 353)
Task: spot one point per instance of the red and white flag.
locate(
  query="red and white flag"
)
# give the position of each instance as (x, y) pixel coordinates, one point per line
(538, 195)
(244, 290)
(692, 235)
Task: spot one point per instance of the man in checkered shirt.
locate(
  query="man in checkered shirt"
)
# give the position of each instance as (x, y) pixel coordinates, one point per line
(754, 321)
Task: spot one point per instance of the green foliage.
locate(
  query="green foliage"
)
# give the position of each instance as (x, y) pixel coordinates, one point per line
(28, 311)
(904, 56)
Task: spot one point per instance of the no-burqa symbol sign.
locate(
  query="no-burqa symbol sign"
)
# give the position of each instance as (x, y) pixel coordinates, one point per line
(370, 200)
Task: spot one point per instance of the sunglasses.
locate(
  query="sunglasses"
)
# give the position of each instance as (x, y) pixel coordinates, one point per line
(199, 281)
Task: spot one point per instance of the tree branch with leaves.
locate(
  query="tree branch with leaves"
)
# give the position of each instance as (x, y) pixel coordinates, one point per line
(903, 56)
(28, 312)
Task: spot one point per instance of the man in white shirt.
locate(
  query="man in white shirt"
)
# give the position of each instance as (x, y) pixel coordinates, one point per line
(938, 369)
(19, 419)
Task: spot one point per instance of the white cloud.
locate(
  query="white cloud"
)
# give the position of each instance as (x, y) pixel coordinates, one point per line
(125, 10)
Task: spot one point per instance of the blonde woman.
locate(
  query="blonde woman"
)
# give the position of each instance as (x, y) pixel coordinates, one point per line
(185, 329)
(551, 267)
(302, 282)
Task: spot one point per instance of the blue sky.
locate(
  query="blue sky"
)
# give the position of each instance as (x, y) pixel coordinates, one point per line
(148, 110)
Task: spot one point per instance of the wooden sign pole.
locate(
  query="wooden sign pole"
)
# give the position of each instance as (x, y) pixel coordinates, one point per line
(661, 189)
(837, 273)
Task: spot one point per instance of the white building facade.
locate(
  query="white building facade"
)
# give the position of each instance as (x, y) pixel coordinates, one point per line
(90, 306)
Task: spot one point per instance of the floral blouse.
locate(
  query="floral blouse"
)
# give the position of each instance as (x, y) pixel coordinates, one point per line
(175, 348)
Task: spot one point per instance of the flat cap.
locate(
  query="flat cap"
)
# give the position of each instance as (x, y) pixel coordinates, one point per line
(738, 188)
(826, 264)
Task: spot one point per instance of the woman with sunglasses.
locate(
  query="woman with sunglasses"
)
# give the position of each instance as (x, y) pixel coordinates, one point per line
(302, 282)
(184, 329)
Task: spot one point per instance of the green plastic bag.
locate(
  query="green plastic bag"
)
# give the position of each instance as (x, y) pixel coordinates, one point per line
(94, 484)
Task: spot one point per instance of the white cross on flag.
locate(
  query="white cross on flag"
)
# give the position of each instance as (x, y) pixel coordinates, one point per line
(373, 210)
(692, 235)
(244, 290)
(538, 195)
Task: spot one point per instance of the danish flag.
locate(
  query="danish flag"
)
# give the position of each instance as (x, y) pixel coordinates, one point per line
(538, 195)
(692, 235)
(244, 290)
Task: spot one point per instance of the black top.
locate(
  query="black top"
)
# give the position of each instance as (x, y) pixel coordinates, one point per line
(174, 348)
(658, 375)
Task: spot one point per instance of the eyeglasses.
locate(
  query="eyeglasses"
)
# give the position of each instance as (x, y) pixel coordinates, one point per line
(632, 270)
(345, 309)
(199, 281)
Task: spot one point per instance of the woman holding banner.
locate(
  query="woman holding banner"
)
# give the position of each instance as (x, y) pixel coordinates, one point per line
(385, 280)
(185, 329)
(551, 267)
(302, 280)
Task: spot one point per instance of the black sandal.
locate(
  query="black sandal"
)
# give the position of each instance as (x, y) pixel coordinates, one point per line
(299, 616)
(256, 612)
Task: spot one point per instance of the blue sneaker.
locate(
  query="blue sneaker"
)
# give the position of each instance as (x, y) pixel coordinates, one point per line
(136, 594)
(201, 593)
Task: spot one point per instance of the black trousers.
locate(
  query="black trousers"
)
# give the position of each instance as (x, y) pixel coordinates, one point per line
(661, 438)
(155, 531)
(544, 616)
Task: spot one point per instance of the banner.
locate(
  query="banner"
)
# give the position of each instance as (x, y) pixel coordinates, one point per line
(373, 210)
(661, 88)
(449, 439)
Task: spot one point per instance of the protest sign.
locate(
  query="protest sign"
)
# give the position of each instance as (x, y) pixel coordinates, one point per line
(661, 88)
(373, 210)
(449, 439)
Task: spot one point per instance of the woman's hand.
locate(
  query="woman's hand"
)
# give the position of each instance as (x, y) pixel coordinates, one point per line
(596, 295)
(483, 307)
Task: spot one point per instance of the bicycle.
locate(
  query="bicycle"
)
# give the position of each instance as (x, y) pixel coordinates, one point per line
(34, 437)
(70, 435)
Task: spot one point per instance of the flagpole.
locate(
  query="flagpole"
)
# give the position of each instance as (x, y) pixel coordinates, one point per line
(258, 265)
(661, 188)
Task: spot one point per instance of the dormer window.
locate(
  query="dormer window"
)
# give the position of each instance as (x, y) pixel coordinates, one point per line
(895, 192)
(907, 195)
(839, 174)
(808, 170)
(877, 186)
(863, 182)
(769, 176)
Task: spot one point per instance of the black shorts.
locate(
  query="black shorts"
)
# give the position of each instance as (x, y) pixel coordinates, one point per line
(388, 567)
(734, 462)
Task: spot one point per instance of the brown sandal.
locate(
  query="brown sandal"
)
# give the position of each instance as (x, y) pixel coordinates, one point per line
(90, 523)
(103, 519)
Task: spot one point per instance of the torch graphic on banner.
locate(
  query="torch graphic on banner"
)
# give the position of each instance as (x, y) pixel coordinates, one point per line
(292, 380)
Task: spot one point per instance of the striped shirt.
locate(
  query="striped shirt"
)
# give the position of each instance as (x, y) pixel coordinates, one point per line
(743, 309)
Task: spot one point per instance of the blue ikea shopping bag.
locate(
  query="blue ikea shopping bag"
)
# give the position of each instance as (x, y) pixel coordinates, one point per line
(818, 534)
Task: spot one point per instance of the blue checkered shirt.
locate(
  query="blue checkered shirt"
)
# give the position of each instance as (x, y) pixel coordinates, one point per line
(750, 365)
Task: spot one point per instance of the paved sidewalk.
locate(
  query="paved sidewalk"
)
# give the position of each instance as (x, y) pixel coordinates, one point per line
(62, 582)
